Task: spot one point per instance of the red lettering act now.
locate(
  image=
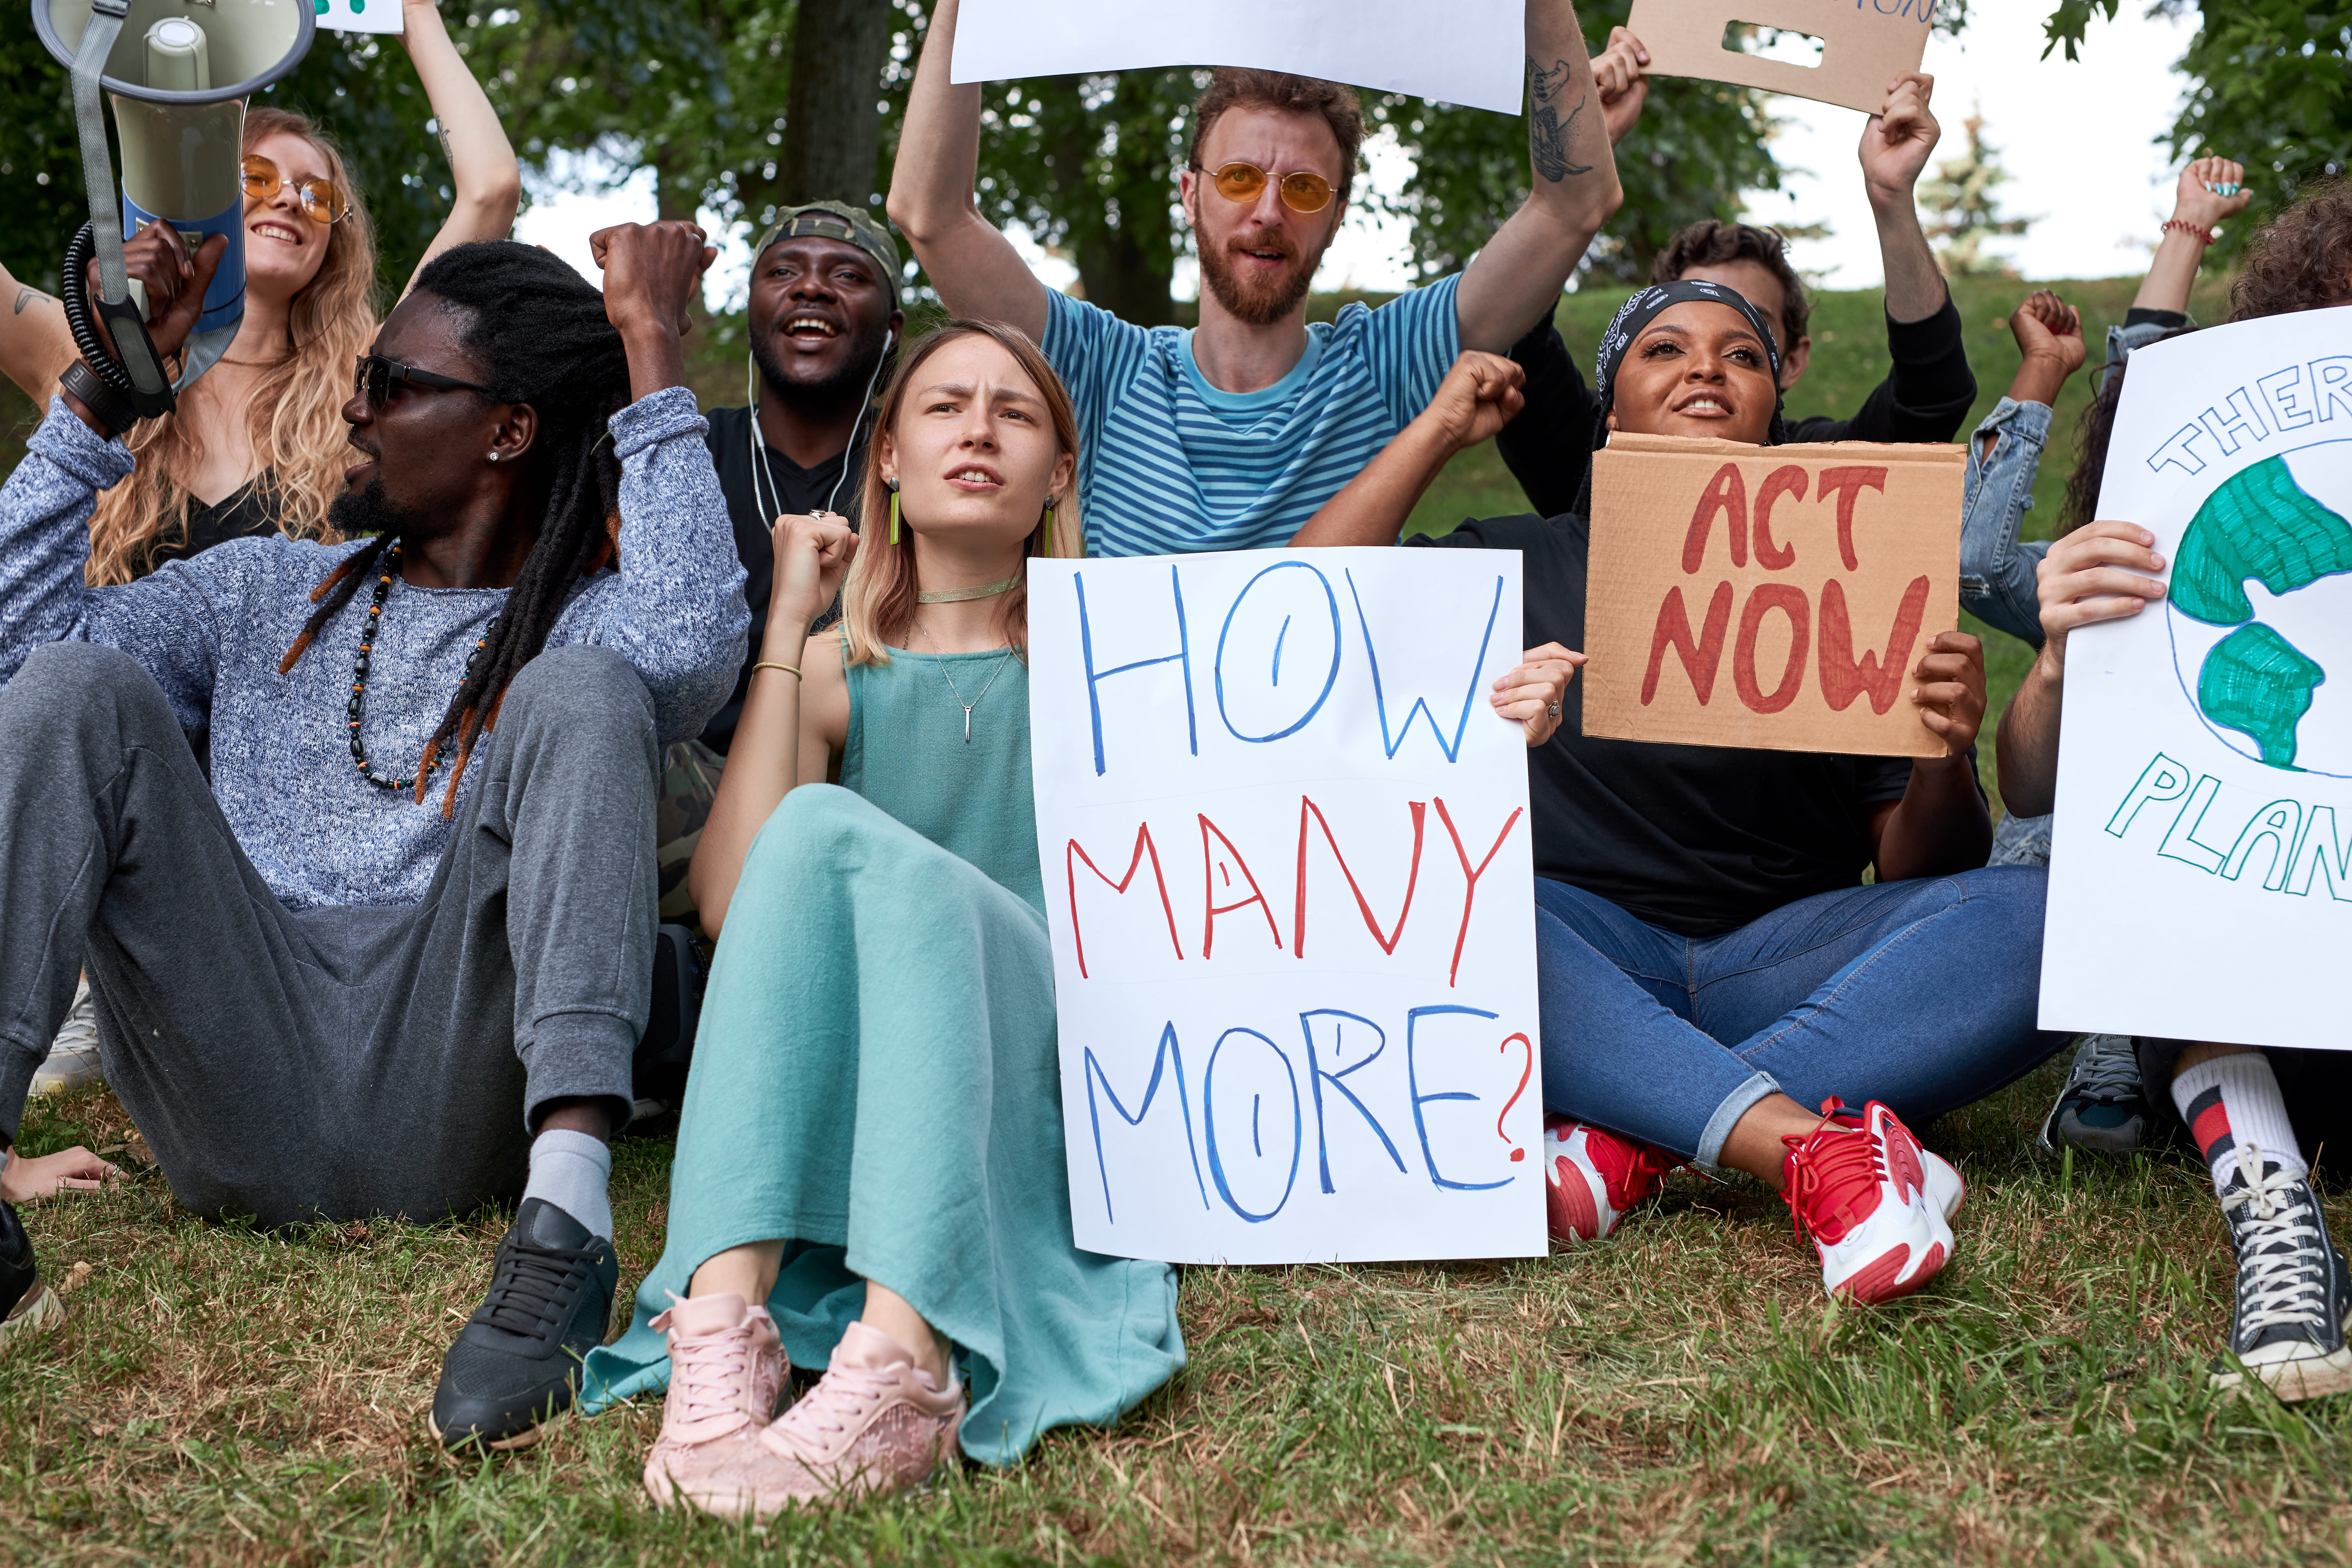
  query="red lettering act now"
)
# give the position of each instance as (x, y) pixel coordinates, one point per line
(1842, 675)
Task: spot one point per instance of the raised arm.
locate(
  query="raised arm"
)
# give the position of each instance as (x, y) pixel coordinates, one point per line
(482, 165)
(798, 698)
(975, 269)
(1516, 280)
(2210, 191)
(1895, 148)
(1478, 396)
(34, 344)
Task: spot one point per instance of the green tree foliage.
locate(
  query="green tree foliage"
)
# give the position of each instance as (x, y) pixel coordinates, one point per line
(1963, 198)
(40, 168)
(2272, 87)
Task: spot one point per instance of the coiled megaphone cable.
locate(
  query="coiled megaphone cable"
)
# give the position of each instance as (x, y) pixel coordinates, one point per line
(74, 292)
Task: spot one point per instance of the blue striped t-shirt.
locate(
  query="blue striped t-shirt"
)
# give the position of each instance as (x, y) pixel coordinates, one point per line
(1172, 464)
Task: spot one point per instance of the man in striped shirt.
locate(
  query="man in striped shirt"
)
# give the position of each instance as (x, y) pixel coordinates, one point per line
(1233, 435)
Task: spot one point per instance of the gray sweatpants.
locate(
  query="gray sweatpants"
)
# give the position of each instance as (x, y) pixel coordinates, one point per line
(329, 1063)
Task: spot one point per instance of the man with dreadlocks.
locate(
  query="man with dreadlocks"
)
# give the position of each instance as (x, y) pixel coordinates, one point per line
(394, 955)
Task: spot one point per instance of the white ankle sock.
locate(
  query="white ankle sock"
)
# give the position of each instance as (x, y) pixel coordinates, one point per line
(572, 1171)
(2232, 1101)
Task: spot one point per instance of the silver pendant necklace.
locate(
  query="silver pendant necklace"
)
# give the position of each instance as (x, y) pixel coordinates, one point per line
(967, 707)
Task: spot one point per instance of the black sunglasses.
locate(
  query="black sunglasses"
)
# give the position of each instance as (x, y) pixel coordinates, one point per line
(378, 375)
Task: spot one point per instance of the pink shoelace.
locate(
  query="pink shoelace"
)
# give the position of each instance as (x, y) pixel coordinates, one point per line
(840, 1399)
(707, 1370)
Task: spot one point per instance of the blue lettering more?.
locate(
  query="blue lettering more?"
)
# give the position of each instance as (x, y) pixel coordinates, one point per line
(1209, 1122)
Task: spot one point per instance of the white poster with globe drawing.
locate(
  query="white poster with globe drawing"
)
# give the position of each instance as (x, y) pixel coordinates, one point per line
(2200, 882)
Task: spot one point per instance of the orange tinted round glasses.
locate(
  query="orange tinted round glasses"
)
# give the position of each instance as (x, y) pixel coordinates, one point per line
(322, 199)
(1302, 190)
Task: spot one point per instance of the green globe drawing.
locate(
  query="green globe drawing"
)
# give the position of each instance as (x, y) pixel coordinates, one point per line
(2260, 607)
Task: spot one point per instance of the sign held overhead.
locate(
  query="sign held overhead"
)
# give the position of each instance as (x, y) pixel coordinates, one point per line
(1865, 44)
(1770, 597)
(1466, 51)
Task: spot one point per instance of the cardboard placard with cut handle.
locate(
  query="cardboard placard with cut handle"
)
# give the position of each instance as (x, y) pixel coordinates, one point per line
(1769, 596)
(1865, 44)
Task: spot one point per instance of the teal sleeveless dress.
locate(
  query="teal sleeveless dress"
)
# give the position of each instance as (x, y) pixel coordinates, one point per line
(876, 1077)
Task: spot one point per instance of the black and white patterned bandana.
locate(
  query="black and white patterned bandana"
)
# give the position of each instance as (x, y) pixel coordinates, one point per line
(1645, 306)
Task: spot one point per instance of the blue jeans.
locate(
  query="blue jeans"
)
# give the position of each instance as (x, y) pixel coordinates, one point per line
(1919, 994)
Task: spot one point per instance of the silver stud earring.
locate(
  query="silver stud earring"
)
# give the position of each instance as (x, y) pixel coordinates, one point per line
(494, 457)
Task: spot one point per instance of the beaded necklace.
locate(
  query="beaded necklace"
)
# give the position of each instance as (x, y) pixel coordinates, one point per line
(358, 709)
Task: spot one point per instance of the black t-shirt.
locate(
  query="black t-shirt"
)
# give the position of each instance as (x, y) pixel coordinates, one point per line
(249, 511)
(801, 491)
(1548, 446)
(1697, 840)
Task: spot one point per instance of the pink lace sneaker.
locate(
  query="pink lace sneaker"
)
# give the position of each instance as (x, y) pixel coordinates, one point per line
(1591, 1176)
(727, 1368)
(872, 1423)
(1859, 1183)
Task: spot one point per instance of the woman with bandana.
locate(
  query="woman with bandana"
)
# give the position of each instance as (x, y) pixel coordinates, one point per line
(1719, 983)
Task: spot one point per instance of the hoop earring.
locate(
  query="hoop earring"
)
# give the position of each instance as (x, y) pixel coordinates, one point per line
(893, 513)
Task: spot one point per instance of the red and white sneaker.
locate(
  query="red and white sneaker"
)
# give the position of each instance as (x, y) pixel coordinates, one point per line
(1945, 1188)
(1860, 1184)
(1591, 1176)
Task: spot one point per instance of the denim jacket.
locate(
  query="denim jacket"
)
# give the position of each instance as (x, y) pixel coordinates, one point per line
(1998, 569)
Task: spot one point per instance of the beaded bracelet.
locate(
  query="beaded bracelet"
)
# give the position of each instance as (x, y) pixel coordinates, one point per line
(793, 670)
(2205, 235)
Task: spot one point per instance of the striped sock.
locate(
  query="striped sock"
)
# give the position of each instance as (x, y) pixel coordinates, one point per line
(2232, 1101)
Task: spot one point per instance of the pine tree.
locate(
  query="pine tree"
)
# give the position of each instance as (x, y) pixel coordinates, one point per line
(1962, 195)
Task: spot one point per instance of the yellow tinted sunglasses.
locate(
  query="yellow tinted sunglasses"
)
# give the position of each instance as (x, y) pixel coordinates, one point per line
(1302, 190)
(322, 199)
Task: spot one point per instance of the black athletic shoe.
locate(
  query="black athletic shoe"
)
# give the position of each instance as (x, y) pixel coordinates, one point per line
(517, 1362)
(2103, 1106)
(26, 1305)
(2293, 1289)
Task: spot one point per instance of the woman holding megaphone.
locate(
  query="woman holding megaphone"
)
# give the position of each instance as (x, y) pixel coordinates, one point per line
(256, 444)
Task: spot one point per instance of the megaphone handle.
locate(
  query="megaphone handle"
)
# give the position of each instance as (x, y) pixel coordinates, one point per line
(106, 18)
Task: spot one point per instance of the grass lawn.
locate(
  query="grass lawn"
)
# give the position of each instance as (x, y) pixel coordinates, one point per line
(1681, 1394)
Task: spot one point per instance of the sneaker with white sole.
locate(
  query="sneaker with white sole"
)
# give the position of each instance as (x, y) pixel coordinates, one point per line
(1859, 1186)
(1944, 1186)
(28, 1305)
(2287, 1332)
(873, 1425)
(1593, 1176)
(72, 1061)
(2104, 1107)
(727, 1370)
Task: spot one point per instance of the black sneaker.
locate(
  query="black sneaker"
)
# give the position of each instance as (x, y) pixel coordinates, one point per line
(2103, 1106)
(2287, 1332)
(27, 1306)
(517, 1360)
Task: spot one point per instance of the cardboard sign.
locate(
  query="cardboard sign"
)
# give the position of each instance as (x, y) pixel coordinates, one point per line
(1865, 44)
(1290, 880)
(1773, 596)
(1466, 51)
(2200, 882)
(359, 16)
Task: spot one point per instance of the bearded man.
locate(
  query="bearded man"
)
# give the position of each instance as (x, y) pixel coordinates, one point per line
(1233, 435)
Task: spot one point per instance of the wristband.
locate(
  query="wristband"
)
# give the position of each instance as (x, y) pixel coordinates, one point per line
(2205, 236)
(107, 406)
(793, 670)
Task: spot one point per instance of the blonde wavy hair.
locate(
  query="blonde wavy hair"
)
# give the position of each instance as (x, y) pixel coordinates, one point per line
(878, 601)
(296, 414)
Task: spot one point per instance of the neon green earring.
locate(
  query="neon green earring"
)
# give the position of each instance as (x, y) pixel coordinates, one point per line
(894, 512)
(1049, 530)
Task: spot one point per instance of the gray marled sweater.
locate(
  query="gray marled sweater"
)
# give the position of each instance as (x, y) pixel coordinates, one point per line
(213, 629)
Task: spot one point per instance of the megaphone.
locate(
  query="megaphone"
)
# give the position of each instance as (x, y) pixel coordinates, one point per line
(179, 72)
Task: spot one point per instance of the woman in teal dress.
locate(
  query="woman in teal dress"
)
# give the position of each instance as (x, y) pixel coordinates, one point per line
(869, 1174)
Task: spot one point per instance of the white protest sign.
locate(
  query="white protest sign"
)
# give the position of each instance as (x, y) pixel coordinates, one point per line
(359, 16)
(1467, 51)
(1288, 870)
(2201, 883)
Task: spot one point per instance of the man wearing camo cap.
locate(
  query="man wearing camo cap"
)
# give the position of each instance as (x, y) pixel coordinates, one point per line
(824, 319)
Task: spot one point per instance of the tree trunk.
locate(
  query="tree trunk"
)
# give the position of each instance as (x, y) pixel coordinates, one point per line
(833, 134)
(1120, 277)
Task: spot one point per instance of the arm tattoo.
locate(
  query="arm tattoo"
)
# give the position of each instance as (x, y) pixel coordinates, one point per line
(448, 156)
(26, 296)
(1547, 133)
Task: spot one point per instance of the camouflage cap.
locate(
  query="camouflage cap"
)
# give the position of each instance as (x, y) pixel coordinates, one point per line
(837, 220)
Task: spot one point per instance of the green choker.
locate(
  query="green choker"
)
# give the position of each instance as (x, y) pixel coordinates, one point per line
(957, 595)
